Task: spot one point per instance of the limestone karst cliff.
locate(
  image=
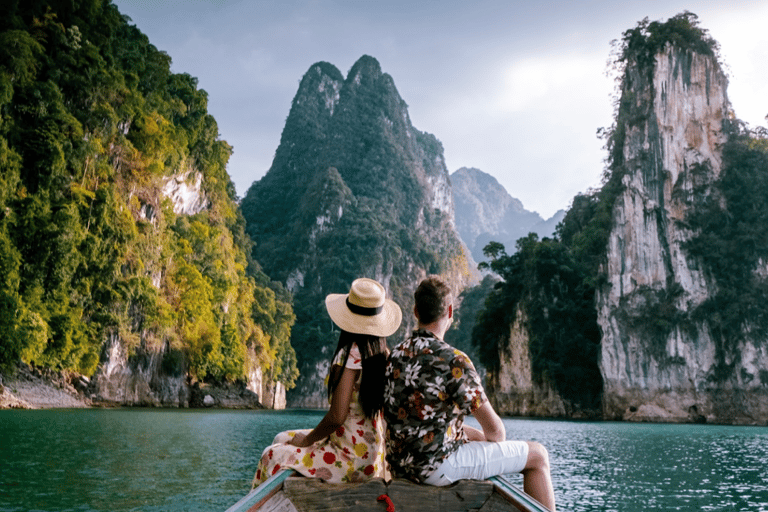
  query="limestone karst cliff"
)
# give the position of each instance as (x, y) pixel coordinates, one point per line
(649, 304)
(354, 191)
(154, 374)
(515, 390)
(660, 361)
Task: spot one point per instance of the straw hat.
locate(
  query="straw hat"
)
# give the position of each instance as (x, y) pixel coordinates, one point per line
(365, 309)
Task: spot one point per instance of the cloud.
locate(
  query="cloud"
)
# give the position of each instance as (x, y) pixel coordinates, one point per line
(514, 88)
(743, 41)
(546, 81)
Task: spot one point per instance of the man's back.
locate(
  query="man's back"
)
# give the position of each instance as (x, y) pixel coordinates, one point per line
(430, 387)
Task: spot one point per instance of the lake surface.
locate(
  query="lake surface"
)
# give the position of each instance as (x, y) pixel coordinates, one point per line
(195, 460)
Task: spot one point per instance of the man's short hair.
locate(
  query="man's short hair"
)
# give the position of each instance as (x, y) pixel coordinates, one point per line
(433, 297)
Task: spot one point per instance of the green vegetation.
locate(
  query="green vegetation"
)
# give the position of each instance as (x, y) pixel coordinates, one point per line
(732, 242)
(642, 43)
(543, 280)
(92, 125)
(471, 303)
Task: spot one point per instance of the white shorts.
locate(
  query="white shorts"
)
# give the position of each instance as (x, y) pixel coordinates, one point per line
(478, 460)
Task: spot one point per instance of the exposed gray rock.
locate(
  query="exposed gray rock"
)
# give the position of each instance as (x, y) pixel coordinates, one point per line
(142, 380)
(185, 191)
(30, 388)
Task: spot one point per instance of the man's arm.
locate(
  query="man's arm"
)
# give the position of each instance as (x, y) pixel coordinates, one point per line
(473, 434)
(493, 427)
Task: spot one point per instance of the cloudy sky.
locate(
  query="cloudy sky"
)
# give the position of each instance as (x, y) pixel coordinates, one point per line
(516, 89)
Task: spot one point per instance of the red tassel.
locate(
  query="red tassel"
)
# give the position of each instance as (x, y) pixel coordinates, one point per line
(390, 505)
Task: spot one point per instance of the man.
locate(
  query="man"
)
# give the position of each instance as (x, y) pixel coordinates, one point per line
(430, 387)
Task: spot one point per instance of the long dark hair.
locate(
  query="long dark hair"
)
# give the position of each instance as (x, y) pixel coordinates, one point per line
(373, 351)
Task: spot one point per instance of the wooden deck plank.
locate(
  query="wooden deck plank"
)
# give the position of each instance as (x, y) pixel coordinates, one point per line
(459, 497)
(314, 495)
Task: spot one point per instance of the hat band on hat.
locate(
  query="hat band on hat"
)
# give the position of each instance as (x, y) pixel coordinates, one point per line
(360, 310)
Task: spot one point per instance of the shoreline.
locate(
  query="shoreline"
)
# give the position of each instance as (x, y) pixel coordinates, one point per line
(29, 388)
(32, 388)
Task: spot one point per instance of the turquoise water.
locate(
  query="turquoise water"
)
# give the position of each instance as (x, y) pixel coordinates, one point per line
(190, 460)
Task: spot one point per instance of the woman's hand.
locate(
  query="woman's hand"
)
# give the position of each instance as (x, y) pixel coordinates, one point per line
(299, 440)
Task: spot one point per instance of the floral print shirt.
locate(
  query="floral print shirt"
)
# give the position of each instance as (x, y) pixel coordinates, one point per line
(430, 387)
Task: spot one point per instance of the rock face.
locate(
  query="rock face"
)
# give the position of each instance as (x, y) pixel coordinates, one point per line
(486, 212)
(31, 388)
(145, 380)
(138, 380)
(674, 132)
(512, 389)
(185, 192)
(354, 191)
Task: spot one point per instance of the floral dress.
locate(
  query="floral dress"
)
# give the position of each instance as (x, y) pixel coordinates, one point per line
(355, 452)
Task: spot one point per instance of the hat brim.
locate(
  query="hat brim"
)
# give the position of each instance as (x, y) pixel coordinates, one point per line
(384, 323)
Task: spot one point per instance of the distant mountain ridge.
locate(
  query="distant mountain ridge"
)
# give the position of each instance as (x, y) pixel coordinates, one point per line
(486, 212)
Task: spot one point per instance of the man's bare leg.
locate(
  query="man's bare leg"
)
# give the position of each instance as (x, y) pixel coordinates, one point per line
(537, 480)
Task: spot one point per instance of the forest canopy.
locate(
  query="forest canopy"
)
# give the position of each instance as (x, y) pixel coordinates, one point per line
(93, 126)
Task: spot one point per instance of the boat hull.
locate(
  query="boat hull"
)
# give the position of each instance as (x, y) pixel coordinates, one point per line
(286, 492)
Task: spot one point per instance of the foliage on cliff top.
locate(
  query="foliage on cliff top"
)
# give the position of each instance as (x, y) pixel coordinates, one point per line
(642, 43)
(92, 124)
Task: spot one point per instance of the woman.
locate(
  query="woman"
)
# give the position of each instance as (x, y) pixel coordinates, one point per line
(348, 443)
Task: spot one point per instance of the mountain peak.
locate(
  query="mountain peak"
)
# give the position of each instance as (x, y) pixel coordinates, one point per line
(325, 68)
(485, 211)
(367, 65)
(354, 190)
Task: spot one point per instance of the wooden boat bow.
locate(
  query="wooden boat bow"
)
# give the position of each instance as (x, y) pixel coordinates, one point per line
(285, 492)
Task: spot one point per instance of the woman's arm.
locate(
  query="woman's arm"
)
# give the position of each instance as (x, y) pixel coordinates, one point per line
(334, 418)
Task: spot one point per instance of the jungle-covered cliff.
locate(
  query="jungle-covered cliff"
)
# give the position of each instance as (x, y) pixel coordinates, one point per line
(650, 303)
(683, 308)
(354, 191)
(123, 254)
